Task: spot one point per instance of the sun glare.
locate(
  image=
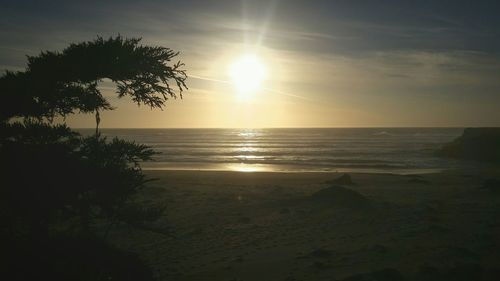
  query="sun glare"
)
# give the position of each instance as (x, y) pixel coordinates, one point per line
(247, 74)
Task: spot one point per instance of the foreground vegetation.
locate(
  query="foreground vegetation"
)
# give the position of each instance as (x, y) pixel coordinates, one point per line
(56, 184)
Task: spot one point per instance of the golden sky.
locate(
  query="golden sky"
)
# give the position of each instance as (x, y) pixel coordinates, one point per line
(327, 63)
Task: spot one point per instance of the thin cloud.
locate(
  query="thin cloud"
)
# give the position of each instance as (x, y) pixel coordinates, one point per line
(265, 88)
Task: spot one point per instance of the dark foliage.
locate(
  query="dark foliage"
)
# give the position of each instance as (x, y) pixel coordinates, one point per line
(62, 83)
(72, 258)
(55, 182)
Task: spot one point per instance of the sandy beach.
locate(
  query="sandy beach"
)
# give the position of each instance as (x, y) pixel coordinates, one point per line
(275, 226)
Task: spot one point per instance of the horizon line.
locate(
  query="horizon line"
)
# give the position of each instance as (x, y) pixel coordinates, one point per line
(354, 127)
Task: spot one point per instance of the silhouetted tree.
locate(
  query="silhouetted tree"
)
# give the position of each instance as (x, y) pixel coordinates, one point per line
(62, 83)
(50, 174)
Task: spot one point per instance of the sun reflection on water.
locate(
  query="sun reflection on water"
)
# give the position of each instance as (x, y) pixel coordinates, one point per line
(249, 133)
(249, 139)
(246, 148)
(248, 168)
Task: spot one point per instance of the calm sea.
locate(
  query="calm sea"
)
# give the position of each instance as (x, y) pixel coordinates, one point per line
(394, 150)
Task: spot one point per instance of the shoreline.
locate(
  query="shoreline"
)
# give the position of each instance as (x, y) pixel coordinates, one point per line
(309, 174)
(270, 168)
(339, 171)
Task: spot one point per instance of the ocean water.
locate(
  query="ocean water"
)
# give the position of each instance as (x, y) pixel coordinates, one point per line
(379, 150)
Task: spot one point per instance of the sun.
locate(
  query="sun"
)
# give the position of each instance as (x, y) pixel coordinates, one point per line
(247, 73)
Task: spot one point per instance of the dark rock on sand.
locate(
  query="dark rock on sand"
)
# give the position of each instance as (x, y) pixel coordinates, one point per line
(465, 272)
(379, 249)
(285, 211)
(387, 274)
(491, 274)
(340, 196)
(459, 272)
(244, 220)
(321, 253)
(345, 179)
(491, 185)
(419, 181)
(482, 144)
(320, 265)
(428, 273)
